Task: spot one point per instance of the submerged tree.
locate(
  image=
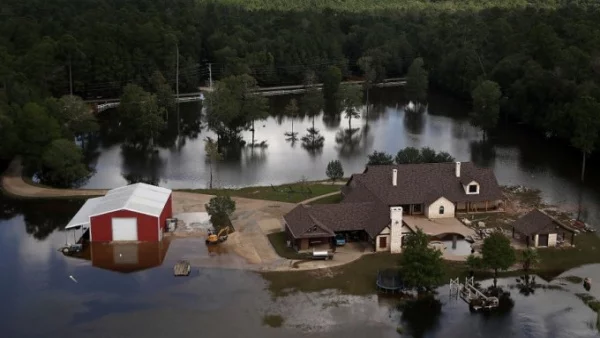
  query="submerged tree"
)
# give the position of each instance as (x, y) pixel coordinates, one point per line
(417, 81)
(211, 149)
(291, 110)
(165, 96)
(586, 121)
(421, 265)
(233, 107)
(486, 106)
(62, 164)
(332, 79)
(350, 100)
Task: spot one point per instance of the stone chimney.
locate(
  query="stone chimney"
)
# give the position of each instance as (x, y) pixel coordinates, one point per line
(396, 229)
(457, 169)
(395, 177)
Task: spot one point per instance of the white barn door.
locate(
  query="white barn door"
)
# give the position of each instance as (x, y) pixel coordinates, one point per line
(124, 229)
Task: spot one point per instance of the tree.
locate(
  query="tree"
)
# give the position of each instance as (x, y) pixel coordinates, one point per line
(331, 83)
(497, 253)
(351, 100)
(36, 130)
(77, 116)
(141, 116)
(584, 112)
(417, 81)
(474, 263)
(62, 164)
(380, 158)
(425, 155)
(165, 97)
(408, 155)
(220, 208)
(334, 170)
(529, 258)
(9, 139)
(421, 265)
(486, 106)
(211, 149)
(291, 110)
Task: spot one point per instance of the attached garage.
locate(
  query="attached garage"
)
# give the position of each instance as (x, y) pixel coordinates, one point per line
(136, 212)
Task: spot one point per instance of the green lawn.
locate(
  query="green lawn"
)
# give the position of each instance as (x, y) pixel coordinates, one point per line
(554, 261)
(292, 193)
(279, 242)
(383, 5)
(328, 200)
(358, 277)
(355, 278)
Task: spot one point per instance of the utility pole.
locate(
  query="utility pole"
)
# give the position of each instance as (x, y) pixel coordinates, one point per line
(177, 87)
(210, 75)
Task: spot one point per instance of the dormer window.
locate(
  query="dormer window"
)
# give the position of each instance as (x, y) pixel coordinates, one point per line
(473, 188)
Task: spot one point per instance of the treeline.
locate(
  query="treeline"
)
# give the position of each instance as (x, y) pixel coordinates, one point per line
(541, 59)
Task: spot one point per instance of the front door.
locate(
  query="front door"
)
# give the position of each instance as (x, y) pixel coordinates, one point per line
(382, 242)
(543, 240)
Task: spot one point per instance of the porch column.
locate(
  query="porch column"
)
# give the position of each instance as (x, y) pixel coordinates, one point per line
(513, 236)
(572, 238)
(486, 206)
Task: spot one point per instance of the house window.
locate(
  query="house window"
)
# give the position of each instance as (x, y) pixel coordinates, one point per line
(473, 188)
(441, 209)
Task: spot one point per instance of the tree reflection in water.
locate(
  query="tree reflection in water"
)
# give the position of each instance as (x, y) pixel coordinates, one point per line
(421, 315)
(414, 122)
(348, 141)
(483, 153)
(141, 165)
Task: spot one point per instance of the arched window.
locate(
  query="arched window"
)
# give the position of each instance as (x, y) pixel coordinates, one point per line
(441, 209)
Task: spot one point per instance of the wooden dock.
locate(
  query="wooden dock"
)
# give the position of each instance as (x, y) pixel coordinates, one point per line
(472, 296)
(182, 268)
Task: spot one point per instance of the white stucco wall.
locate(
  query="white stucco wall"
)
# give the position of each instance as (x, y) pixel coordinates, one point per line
(433, 210)
(396, 229)
(535, 241)
(552, 240)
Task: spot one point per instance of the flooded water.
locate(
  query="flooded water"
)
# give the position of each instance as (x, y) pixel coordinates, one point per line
(129, 291)
(517, 157)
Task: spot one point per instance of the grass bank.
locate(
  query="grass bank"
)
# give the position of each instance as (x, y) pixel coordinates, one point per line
(333, 199)
(358, 277)
(292, 193)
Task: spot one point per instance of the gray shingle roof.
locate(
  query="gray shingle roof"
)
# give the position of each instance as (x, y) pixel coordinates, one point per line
(418, 183)
(538, 222)
(368, 196)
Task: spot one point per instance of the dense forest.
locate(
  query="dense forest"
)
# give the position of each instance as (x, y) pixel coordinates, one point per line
(536, 62)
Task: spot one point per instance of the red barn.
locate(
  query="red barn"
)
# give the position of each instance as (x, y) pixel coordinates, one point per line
(136, 212)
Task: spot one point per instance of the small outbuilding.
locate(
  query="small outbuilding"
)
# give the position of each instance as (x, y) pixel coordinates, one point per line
(539, 229)
(136, 212)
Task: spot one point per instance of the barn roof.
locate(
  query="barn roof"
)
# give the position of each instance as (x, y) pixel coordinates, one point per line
(140, 197)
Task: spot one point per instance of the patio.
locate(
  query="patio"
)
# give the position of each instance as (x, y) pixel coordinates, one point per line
(439, 226)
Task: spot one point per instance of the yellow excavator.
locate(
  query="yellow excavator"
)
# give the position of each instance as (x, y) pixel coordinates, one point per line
(216, 238)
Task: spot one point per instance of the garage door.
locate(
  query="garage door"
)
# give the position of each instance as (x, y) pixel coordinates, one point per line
(124, 229)
(543, 240)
